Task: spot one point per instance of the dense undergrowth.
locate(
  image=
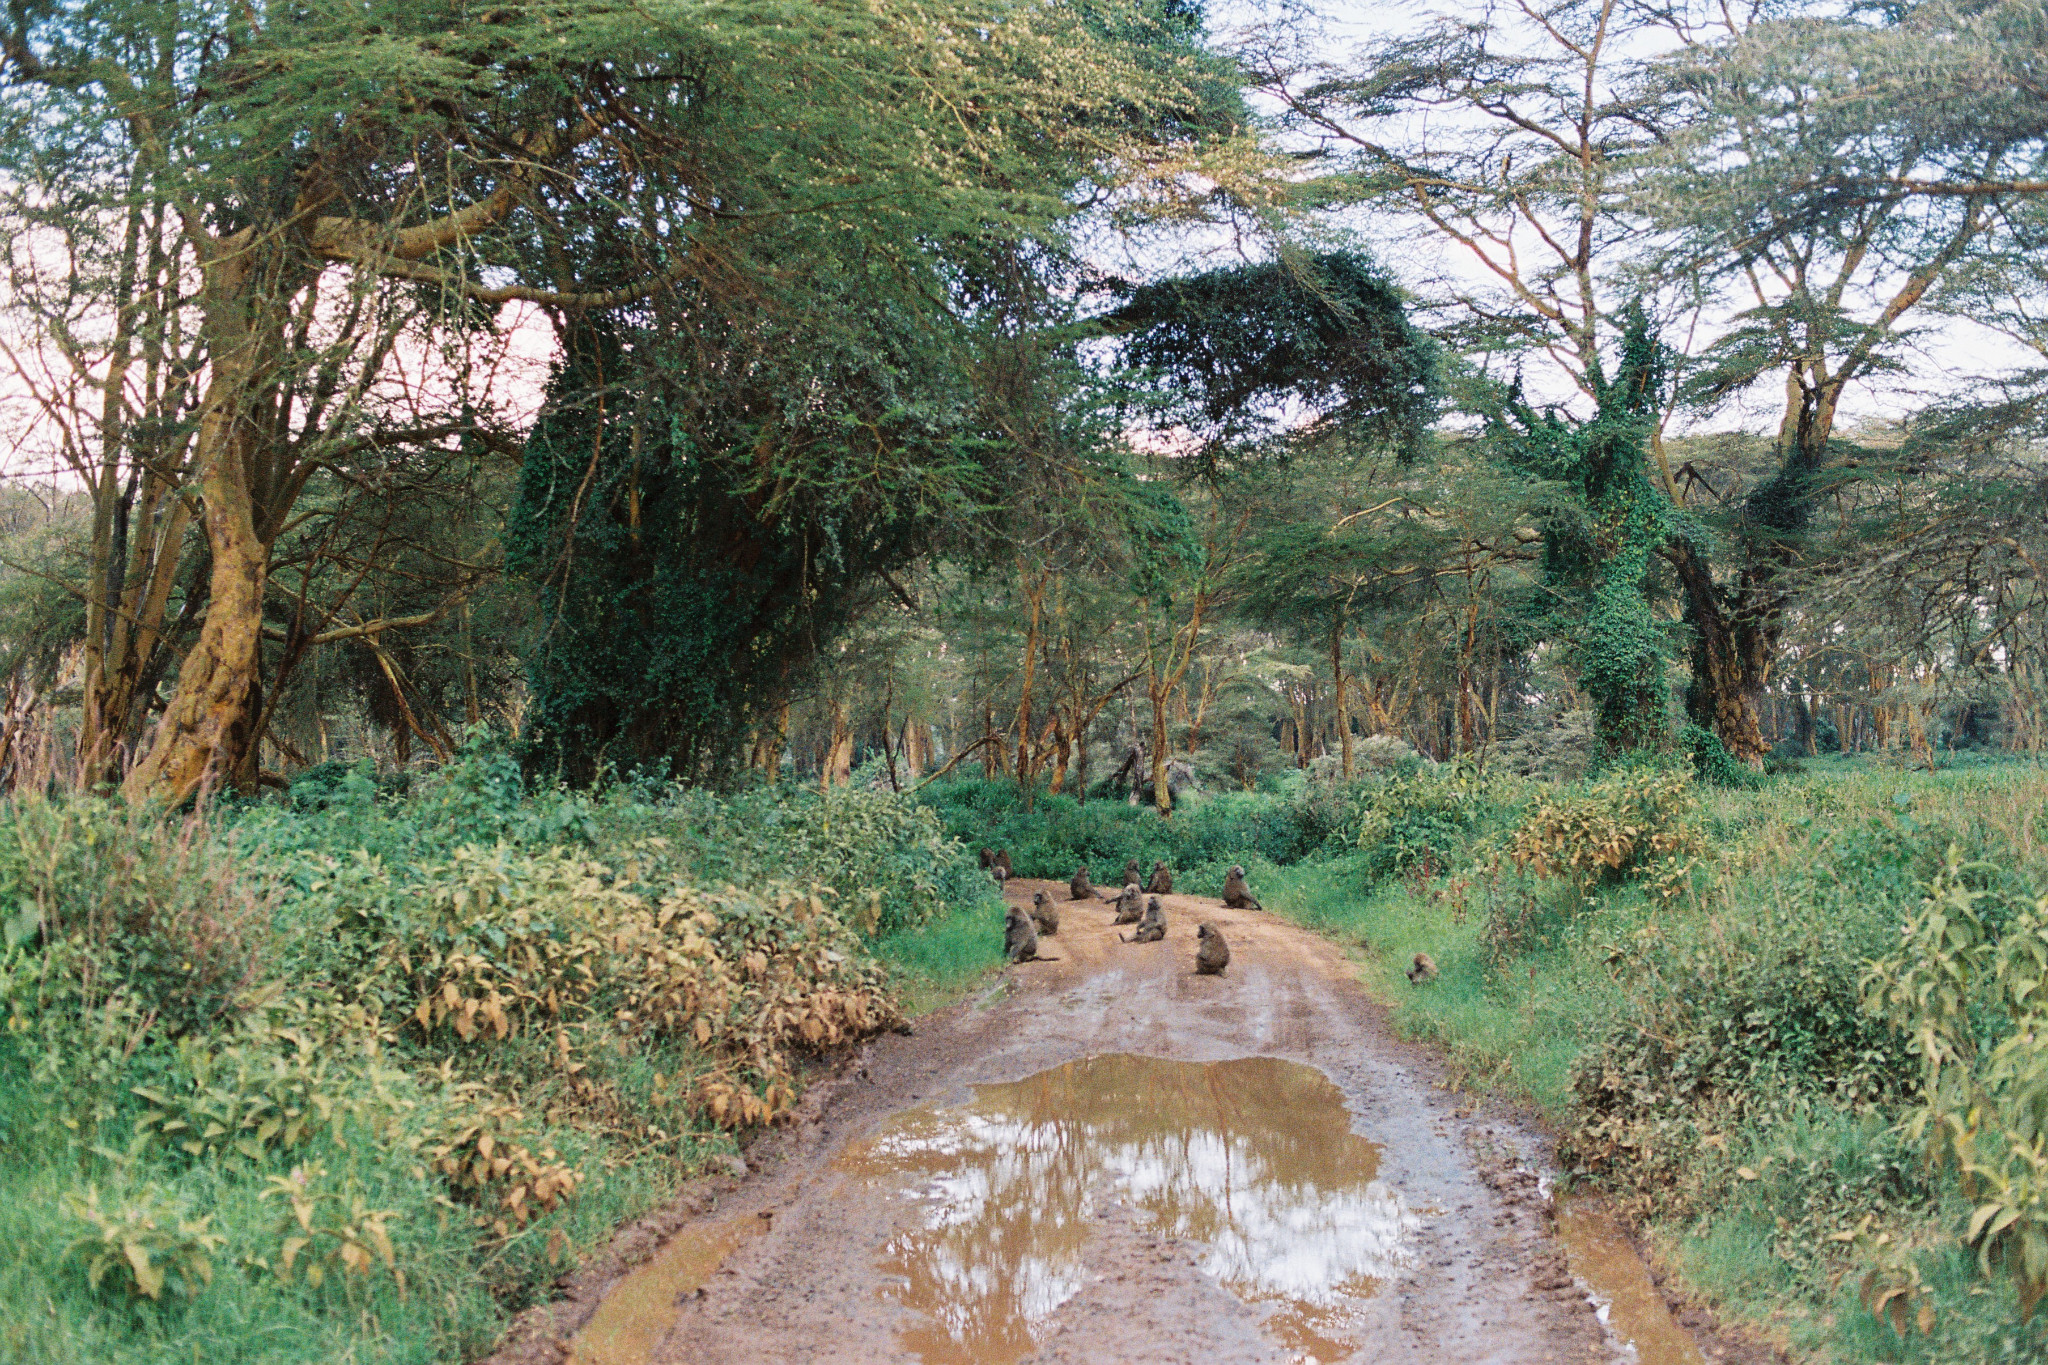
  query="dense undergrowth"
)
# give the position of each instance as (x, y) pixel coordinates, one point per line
(1799, 1029)
(357, 1075)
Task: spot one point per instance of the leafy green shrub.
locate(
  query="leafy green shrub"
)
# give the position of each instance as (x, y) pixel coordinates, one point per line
(155, 913)
(405, 1071)
(1061, 832)
(1711, 761)
(1422, 819)
(1628, 823)
(144, 1244)
(1968, 989)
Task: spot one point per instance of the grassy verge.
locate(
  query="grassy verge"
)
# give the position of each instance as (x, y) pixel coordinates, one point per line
(1707, 1053)
(356, 1077)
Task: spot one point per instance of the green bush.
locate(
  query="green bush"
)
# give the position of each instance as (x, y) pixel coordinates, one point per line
(1061, 832)
(1424, 820)
(1967, 989)
(354, 1074)
(1628, 823)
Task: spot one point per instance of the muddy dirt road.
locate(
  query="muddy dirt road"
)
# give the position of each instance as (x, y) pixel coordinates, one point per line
(1108, 1158)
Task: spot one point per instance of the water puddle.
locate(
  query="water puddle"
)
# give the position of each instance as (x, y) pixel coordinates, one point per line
(1254, 1159)
(637, 1314)
(1602, 1256)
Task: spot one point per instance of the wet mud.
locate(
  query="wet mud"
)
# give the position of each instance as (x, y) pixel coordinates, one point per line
(1602, 1257)
(1111, 1158)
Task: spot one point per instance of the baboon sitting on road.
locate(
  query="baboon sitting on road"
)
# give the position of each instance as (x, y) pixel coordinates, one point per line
(1236, 895)
(1152, 928)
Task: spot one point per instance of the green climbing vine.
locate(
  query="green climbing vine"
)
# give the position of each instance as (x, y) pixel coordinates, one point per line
(1598, 552)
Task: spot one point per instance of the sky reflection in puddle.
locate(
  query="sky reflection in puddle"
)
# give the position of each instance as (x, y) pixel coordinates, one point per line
(1254, 1159)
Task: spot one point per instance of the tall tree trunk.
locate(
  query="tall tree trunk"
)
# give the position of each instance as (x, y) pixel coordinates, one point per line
(207, 725)
(837, 768)
(1802, 721)
(1720, 695)
(1343, 709)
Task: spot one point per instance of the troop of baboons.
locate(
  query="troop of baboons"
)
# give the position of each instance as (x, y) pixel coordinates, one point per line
(1137, 902)
(1023, 928)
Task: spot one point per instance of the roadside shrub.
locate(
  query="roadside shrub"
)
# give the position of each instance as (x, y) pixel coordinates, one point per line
(504, 944)
(1968, 989)
(1631, 823)
(1061, 831)
(1422, 819)
(157, 914)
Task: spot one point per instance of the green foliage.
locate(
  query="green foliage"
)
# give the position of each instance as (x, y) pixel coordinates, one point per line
(1711, 762)
(1063, 832)
(1968, 989)
(1425, 820)
(1597, 552)
(153, 916)
(1230, 353)
(143, 1245)
(1633, 822)
(479, 1030)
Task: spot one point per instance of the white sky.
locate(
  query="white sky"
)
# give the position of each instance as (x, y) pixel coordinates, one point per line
(1945, 358)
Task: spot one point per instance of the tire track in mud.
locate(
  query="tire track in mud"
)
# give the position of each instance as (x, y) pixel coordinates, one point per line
(814, 1269)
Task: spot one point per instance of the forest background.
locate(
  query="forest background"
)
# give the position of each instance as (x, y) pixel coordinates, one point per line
(487, 459)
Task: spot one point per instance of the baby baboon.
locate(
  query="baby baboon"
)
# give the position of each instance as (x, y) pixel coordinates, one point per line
(1236, 895)
(1162, 880)
(1079, 888)
(1002, 860)
(1423, 970)
(1045, 914)
(1131, 872)
(998, 874)
(1130, 906)
(1212, 954)
(1152, 928)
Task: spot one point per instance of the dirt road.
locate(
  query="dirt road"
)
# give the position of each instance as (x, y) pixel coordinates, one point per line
(1080, 1165)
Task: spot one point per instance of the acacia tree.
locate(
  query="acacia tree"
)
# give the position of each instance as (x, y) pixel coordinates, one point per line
(1556, 150)
(275, 203)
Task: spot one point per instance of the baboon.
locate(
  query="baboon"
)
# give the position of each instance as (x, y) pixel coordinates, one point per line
(1045, 914)
(1131, 872)
(1130, 905)
(1162, 880)
(1020, 937)
(1152, 928)
(1002, 860)
(1079, 888)
(988, 859)
(1423, 970)
(1212, 954)
(1236, 895)
(998, 874)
